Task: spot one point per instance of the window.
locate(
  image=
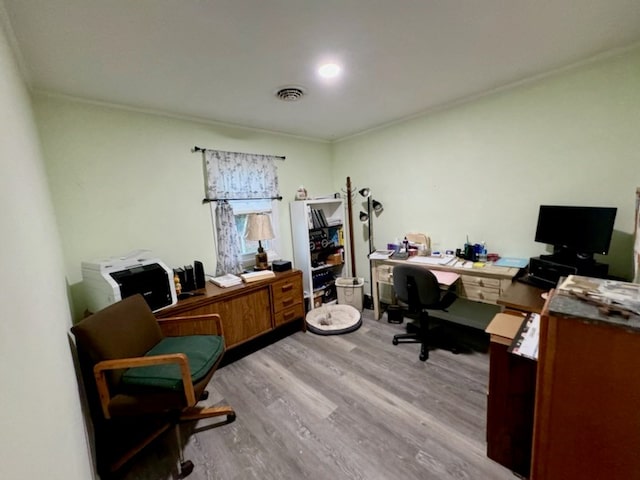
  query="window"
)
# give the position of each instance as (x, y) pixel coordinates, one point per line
(234, 175)
(248, 248)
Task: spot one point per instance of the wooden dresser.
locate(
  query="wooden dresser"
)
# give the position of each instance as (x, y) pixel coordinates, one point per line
(587, 420)
(248, 310)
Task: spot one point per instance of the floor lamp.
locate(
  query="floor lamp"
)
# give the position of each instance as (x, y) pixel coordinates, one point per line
(373, 206)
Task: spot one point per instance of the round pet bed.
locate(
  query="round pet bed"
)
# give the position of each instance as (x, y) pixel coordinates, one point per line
(333, 319)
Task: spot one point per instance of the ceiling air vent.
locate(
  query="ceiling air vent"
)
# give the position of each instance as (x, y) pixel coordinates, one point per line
(290, 94)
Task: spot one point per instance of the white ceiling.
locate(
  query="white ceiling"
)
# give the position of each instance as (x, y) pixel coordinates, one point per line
(223, 60)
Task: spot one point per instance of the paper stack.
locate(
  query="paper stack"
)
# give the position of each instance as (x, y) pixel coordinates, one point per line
(257, 276)
(228, 280)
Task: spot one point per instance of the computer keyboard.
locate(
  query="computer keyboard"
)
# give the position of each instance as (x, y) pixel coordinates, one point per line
(536, 281)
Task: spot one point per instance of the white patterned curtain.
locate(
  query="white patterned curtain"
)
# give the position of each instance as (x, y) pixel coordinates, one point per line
(235, 176)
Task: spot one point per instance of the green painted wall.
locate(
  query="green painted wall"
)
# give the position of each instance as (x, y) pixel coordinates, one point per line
(123, 180)
(482, 168)
(42, 434)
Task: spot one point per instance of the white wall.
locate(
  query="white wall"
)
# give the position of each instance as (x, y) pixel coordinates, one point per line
(482, 168)
(123, 180)
(41, 427)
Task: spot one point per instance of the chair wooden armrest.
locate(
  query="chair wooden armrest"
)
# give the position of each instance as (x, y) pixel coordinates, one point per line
(100, 369)
(205, 324)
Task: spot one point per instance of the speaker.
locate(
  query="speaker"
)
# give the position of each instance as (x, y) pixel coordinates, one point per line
(198, 271)
(189, 279)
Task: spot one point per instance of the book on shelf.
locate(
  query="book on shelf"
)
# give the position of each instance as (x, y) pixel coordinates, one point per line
(323, 219)
(227, 280)
(310, 222)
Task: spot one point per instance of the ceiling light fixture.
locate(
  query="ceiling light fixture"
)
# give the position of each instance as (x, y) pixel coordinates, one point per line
(329, 70)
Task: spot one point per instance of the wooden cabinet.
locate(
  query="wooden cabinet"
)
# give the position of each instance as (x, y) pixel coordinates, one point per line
(320, 248)
(587, 420)
(249, 310)
(286, 298)
(510, 399)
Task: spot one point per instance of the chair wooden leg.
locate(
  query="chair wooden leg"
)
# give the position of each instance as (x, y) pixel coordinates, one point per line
(196, 413)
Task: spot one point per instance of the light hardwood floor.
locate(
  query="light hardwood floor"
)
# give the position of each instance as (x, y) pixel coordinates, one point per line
(351, 406)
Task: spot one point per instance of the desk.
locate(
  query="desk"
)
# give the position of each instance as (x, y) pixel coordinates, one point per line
(522, 297)
(248, 310)
(484, 284)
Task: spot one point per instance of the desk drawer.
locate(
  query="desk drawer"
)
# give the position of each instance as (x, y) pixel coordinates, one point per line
(289, 314)
(287, 293)
(472, 281)
(385, 274)
(479, 293)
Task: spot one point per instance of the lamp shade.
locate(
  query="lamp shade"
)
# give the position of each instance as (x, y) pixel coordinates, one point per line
(258, 227)
(365, 192)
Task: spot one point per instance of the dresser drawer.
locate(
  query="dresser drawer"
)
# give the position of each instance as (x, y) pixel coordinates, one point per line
(289, 314)
(287, 293)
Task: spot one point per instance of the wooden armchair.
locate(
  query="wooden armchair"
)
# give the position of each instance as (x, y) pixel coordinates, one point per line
(143, 375)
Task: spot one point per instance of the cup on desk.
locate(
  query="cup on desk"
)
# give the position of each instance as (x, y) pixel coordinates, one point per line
(393, 246)
(470, 252)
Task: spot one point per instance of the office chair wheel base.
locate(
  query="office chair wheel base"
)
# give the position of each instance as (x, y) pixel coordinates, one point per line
(423, 357)
(204, 395)
(186, 468)
(395, 341)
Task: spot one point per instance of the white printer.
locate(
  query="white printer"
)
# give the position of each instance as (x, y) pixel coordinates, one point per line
(109, 280)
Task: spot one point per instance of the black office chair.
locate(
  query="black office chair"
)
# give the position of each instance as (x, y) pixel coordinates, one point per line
(418, 291)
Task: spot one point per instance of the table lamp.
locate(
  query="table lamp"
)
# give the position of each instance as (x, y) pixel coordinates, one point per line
(258, 229)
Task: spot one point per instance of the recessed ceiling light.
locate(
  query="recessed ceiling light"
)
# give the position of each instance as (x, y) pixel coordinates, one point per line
(329, 70)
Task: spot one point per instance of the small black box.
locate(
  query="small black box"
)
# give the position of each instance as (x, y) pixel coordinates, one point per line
(395, 314)
(281, 265)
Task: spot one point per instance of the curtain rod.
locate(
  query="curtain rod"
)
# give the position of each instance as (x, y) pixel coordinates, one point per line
(200, 149)
(209, 200)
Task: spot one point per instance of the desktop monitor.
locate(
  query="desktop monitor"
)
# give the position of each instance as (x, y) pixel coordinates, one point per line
(576, 233)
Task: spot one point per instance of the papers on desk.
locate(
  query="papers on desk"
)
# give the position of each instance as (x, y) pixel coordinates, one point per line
(381, 254)
(433, 260)
(525, 343)
(511, 262)
(256, 276)
(614, 293)
(224, 281)
(445, 278)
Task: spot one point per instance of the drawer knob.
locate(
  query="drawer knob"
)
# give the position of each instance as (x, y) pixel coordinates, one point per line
(287, 300)
(286, 287)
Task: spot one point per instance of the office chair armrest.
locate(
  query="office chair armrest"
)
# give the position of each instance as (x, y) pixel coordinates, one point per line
(100, 369)
(205, 324)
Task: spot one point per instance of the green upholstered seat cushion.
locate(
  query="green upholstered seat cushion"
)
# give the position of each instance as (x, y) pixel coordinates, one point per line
(202, 351)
